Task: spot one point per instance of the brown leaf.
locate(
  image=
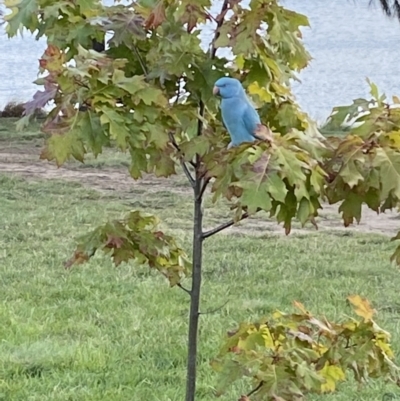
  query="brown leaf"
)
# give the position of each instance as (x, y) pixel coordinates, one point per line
(263, 132)
(159, 234)
(113, 242)
(52, 51)
(244, 398)
(78, 259)
(156, 17)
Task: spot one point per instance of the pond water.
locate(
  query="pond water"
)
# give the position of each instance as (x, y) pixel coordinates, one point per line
(348, 40)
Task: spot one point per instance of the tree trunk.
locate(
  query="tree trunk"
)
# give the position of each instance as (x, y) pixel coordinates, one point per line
(195, 291)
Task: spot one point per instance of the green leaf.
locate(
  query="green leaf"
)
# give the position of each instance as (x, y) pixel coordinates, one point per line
(387, 160)
(23, 14)
(138, 238)
(60, 147)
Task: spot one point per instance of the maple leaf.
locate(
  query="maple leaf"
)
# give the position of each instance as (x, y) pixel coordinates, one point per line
(156, 17)
(362, 307)
(41, 98)
(332, 374)
(124, 25)
(53, 60)
(24, 13)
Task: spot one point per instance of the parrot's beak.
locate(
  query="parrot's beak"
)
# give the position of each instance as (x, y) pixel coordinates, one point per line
(215, 90)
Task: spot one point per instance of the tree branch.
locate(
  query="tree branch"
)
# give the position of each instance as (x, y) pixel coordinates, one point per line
(176, 146)
(204, 187)
(255, 389)
(209, 312)
(183, 164)
(220, 21)
(141, 62)
(187, 172)
(184, 289)
(223, 226)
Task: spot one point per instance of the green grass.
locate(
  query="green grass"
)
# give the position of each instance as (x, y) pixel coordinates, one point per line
(8, 132)
(97, 332)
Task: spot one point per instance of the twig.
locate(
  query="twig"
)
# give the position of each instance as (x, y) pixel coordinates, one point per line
(184, 289)
(223, 226)
(176, 146)
(187, 172)
(183, 164)
(205, 183)
(209, 312)
(255, 389)
(140, 61)
(224, 9)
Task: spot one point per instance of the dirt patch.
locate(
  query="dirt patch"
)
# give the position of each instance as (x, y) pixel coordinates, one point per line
(23, 161)
(26, 163)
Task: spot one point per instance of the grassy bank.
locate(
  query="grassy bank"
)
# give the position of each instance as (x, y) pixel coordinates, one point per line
(100, 333)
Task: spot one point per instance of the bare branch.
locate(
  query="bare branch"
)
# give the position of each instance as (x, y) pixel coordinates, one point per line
(209, 312)
(184, 289)
(223, 226)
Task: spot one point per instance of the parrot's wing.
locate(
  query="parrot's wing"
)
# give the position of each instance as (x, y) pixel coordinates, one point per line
(251, 119)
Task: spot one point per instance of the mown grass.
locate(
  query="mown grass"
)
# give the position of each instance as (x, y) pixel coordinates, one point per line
(97, 332)
(100, 333)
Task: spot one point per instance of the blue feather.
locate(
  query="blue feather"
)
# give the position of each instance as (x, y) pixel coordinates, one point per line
(239, 116)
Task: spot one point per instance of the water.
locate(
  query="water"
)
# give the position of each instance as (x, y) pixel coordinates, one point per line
(348, 42)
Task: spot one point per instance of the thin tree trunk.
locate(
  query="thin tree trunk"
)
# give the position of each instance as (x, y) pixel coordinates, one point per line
(195, 291)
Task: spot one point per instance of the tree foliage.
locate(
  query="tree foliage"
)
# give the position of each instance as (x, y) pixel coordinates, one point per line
(363, 166)
(290, 355)
(150, 94)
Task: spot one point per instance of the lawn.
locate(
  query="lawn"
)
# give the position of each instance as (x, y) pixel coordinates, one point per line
(98, 332)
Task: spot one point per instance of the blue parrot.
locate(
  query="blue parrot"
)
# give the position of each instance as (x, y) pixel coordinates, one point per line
(239, 116)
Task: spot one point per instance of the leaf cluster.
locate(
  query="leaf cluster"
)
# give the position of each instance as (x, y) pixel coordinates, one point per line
(288, 356)
(136, 238)
(363, 166)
